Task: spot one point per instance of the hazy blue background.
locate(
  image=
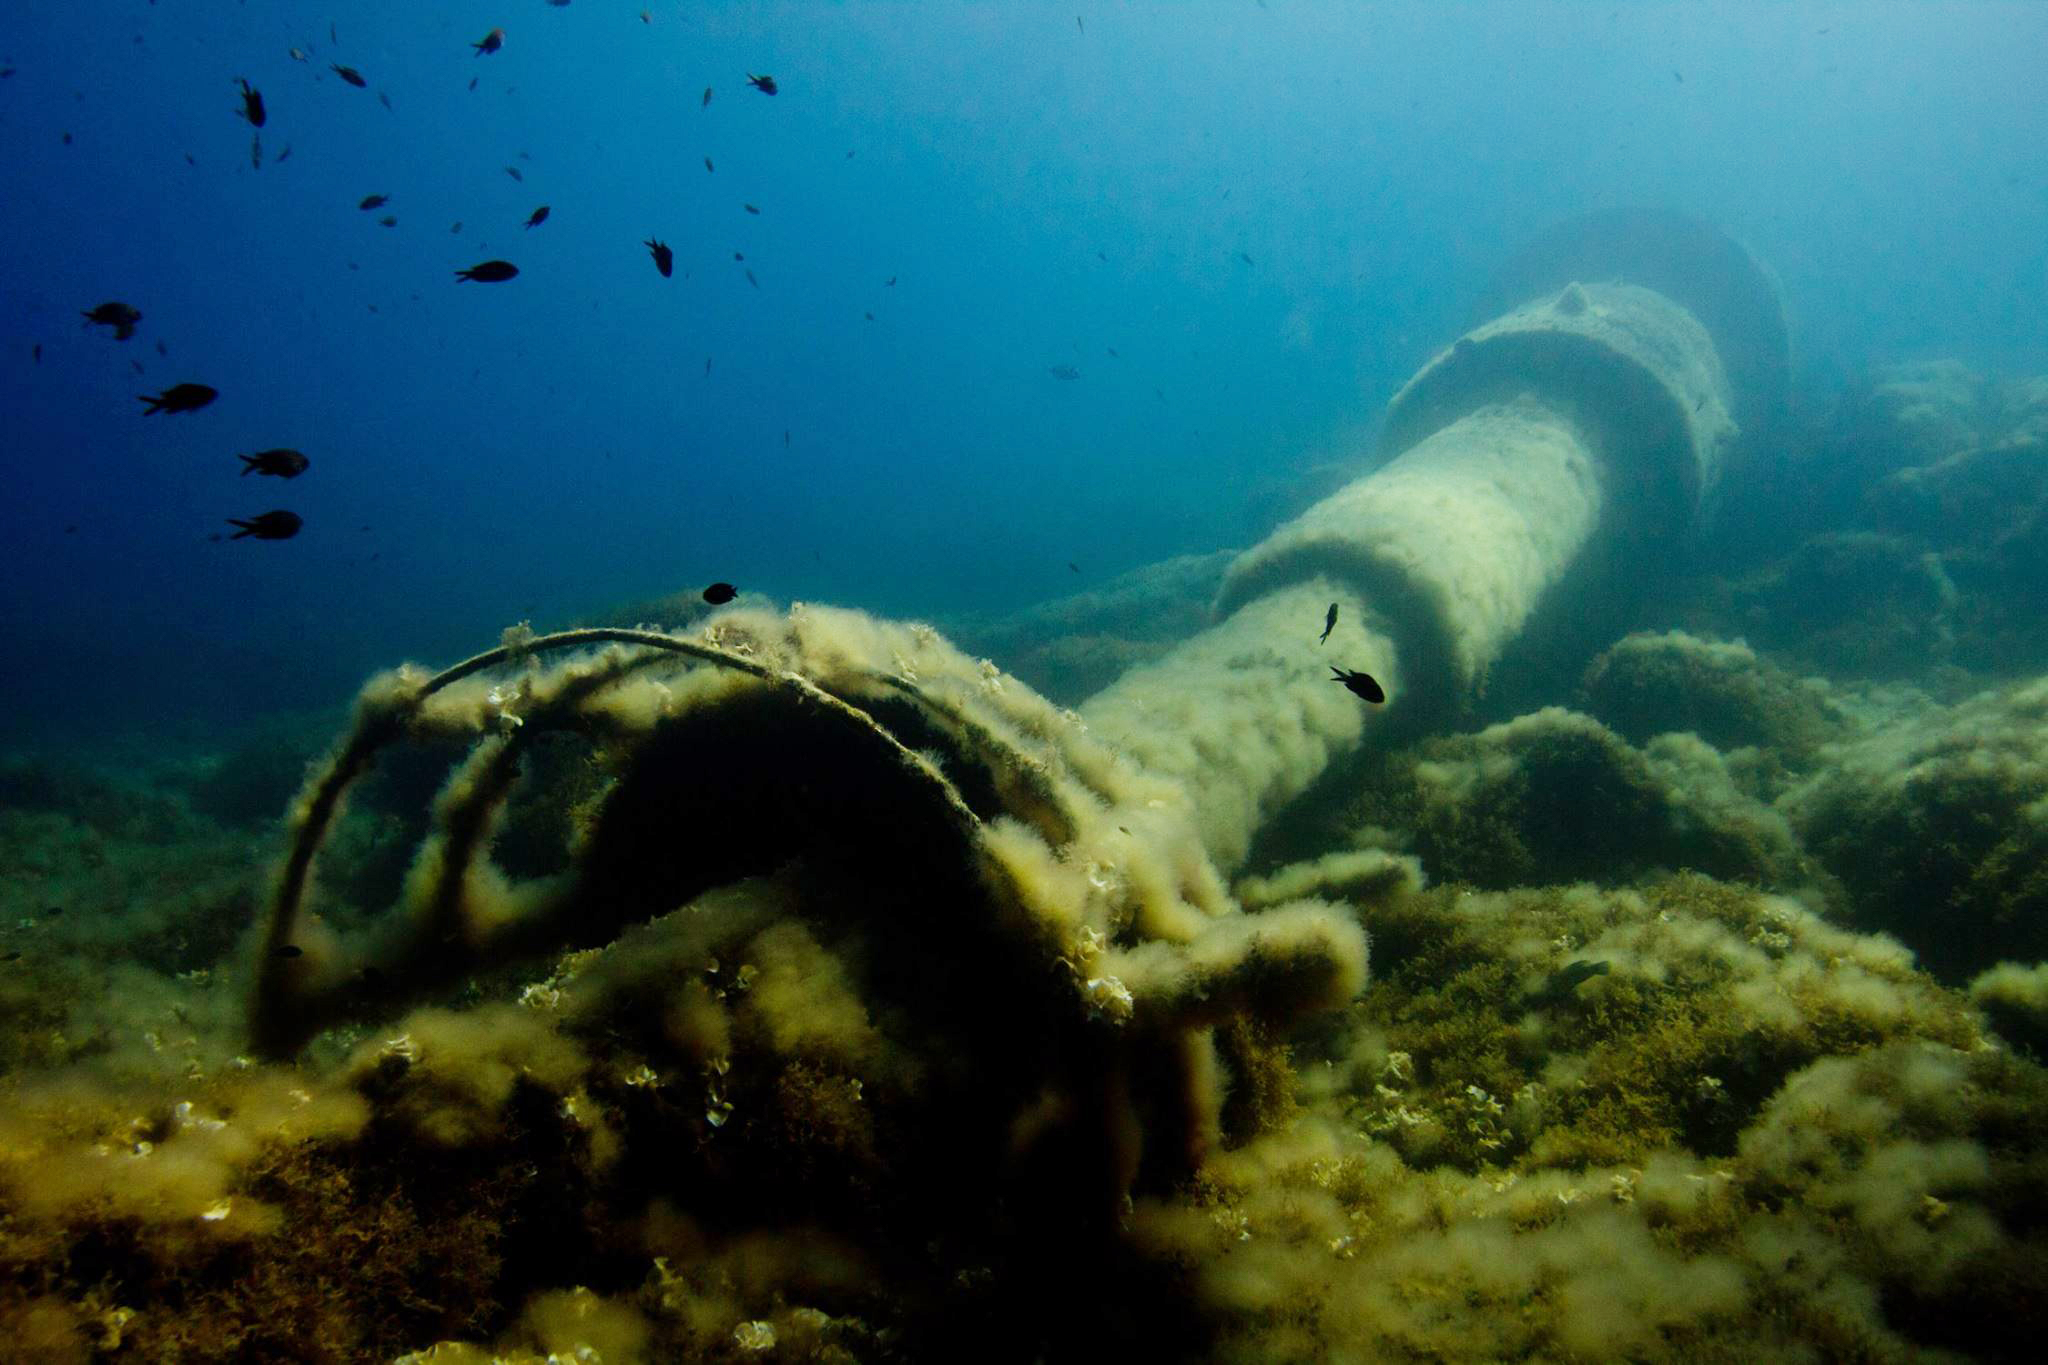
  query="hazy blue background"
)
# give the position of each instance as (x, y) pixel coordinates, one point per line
(1043, 192)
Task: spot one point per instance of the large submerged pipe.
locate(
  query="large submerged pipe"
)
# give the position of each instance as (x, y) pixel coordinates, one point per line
(1591, 423)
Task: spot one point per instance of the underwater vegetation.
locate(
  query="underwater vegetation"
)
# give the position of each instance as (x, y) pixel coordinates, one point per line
(831, 1112)
(738, 1132)
(1938, 828)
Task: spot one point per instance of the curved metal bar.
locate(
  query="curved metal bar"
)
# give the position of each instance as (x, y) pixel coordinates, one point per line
(286, 980)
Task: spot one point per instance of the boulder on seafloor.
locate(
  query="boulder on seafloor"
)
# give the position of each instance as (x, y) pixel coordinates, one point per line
(1936, 822)
(1555, 797)
(1853, 602)
(1649, 684)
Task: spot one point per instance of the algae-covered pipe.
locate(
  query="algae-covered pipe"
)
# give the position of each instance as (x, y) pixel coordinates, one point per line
(1569, 435)
(1048, 927)
(1584, 430)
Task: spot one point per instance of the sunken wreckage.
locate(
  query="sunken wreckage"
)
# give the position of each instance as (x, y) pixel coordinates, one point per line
(1037, 900)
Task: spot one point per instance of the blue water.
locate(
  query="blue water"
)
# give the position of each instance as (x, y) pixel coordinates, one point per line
(1043, 191)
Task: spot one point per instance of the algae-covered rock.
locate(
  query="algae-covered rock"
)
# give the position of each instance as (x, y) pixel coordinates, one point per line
(1977, 497)
(2015, 998)
(1650, 684)
(1854, 602)
(1609, 1023)
(1983, 514)
(1747, 1135)
(1937, 826)
(1556, 796)
(1931, 503)
(1917, 413)
(101, 870)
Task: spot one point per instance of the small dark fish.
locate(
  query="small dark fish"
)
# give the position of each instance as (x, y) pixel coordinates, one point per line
(135, 365)
(869, 316)
(751, 280)
(385, 100)
(53, 912)
(389, 220)
(332, 36)
(179, 398)
(785, 440)
(256, 151)
(456, 226)
(352, 76)
(1679, 77)
(1246, 259)
(71, 530)
(1581, 970)
(718, 594)
(492, 41)
(1360, 685)
(739, 255)
(282, 463)
(513, 171)
(764, 84)
(116, 315)
(162, 349)
(1063, 372)
(706, 101)
(709, 167)
(38, 352)
(751, 209)
(252, 105)
(707, 366)
(472, 82)
(285, 155)
(291, 950)
(1079, 25)
(1560, 985)
(279, 525)
(889, 283)
(489, 272)
(374, 201)
(1072, 565)
(1330, 624)
(1112, 353)
(66, 139)
(537, 217)
(15, 956)
(664, 259)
